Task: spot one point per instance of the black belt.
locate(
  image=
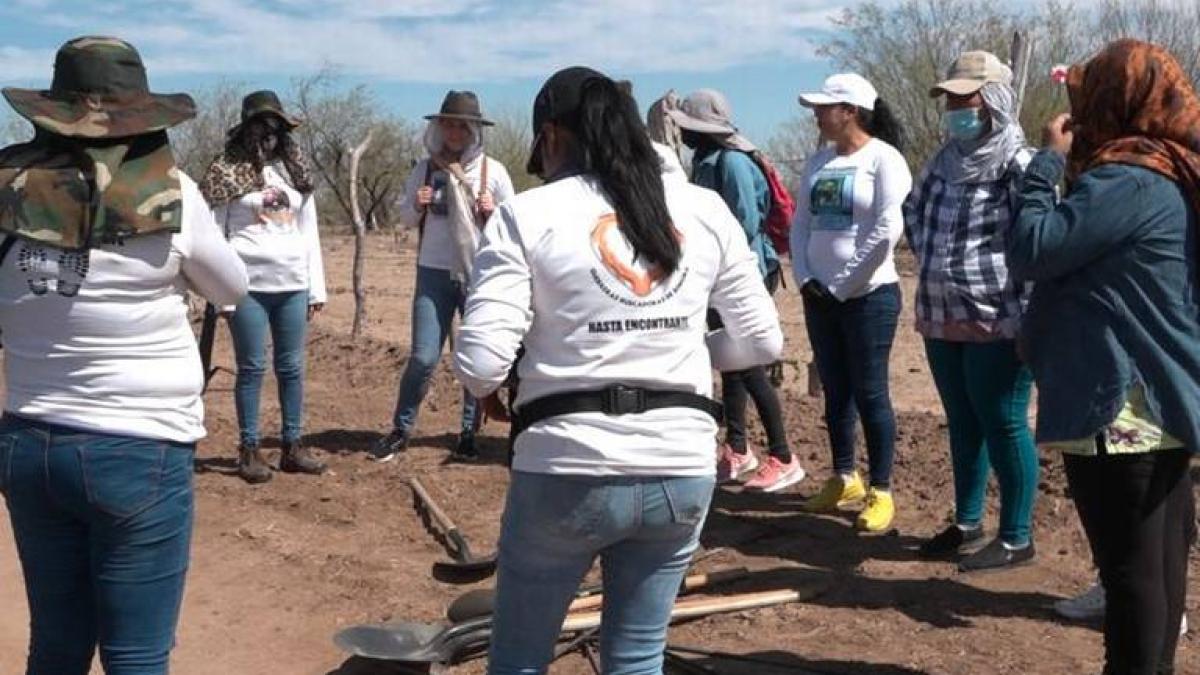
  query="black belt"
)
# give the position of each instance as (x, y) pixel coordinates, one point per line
(616, 399)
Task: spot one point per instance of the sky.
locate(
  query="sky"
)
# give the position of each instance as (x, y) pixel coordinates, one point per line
(761, 53)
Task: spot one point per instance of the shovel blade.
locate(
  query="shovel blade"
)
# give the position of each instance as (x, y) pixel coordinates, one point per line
(485, 564)
(402, 641)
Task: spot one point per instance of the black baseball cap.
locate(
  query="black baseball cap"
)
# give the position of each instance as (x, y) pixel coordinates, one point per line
(558, 99)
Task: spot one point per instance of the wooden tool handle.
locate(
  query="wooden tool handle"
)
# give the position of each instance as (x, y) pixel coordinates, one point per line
(687, 609)
(436, 511)
(713, 578)
(690, 583)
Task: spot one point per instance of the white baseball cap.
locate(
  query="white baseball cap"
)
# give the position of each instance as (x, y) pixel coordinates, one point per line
(843, 88)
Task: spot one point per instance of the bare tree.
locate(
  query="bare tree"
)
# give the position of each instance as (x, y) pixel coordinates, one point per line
(508, 143)
(791, 145)
(903, 50)
(361, 158)
(335, 122)
(360, 237)
(199, 140)
(1174, 24)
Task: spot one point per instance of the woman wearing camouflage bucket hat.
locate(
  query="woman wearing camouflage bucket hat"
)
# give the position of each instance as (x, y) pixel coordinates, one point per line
(449, 197)
(102, 237)
(261, 192)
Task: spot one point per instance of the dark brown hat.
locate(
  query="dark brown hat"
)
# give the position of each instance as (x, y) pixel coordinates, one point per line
(461, 105)
(266, 102)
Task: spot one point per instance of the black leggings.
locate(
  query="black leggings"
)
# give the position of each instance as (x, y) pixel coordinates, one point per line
(1139, 517)
(738, 385)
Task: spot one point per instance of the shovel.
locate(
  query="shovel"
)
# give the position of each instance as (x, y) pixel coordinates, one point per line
(465, 560)
(482, 601)
(434, 643)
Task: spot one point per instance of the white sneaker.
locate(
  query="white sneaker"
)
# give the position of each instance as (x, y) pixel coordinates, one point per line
(1089, 605)
(1086, 606)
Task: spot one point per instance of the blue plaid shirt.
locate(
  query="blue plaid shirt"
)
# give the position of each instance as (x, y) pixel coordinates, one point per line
(959, 234)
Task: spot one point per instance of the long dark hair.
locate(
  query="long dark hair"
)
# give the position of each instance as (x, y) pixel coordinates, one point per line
(882, 124)
(247, 142)
(616, 149)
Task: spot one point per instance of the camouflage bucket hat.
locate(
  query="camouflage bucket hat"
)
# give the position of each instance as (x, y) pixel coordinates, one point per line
(100, 90)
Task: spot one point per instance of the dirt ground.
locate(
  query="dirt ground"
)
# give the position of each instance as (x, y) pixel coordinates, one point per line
(278, 569)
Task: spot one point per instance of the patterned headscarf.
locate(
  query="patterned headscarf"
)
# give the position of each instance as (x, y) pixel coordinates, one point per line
(239, 170)
(1134, 105)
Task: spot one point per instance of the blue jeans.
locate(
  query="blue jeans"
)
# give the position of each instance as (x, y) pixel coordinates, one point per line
(286, 316)
(103, 524)
(644, 530)
(852, 344)
(985, 393)
(435, 302)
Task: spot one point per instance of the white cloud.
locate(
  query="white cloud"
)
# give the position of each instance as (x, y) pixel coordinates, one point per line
(445, 40)
(23, 64)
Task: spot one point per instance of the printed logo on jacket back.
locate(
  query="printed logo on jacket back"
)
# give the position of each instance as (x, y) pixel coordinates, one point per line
(629, 283)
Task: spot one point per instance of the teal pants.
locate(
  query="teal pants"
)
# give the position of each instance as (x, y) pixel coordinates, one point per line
(985, 392)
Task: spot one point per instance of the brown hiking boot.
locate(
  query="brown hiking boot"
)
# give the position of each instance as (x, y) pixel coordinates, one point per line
(252, 467)
(299, 459)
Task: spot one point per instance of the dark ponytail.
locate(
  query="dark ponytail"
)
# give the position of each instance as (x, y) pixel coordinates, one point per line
(616, 149)
(882, 124)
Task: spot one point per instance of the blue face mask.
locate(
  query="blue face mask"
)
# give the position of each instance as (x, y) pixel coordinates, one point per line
(965, 124)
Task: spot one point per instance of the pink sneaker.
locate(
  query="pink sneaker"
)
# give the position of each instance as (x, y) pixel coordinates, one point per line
(775, 475)
(732, 466)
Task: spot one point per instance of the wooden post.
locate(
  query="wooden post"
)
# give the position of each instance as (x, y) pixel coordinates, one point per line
(360, 238)
(1021, 57)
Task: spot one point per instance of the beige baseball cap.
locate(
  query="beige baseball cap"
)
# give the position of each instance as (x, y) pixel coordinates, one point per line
(970, 72)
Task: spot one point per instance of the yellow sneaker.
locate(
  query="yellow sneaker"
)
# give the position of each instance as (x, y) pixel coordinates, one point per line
(877, 515)
(837, 492)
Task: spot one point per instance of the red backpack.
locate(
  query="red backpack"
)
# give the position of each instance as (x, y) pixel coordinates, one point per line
(783, 207)
(778, 223)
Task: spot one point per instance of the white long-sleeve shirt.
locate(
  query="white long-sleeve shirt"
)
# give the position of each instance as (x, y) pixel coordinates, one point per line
(849, 218)
(100, 340)
(549, 275)
(437, 242)
(275, 232)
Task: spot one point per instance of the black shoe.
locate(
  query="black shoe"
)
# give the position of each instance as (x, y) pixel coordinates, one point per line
(996, 556)
(951, 543)
(465, 451)
(386, 448)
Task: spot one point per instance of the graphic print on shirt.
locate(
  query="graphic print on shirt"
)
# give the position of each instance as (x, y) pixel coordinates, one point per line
(277, 209)
(832, 199)
(630, 285)
(48, 269)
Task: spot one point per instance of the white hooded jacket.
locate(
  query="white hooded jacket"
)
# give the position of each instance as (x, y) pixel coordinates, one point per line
(442, 244)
